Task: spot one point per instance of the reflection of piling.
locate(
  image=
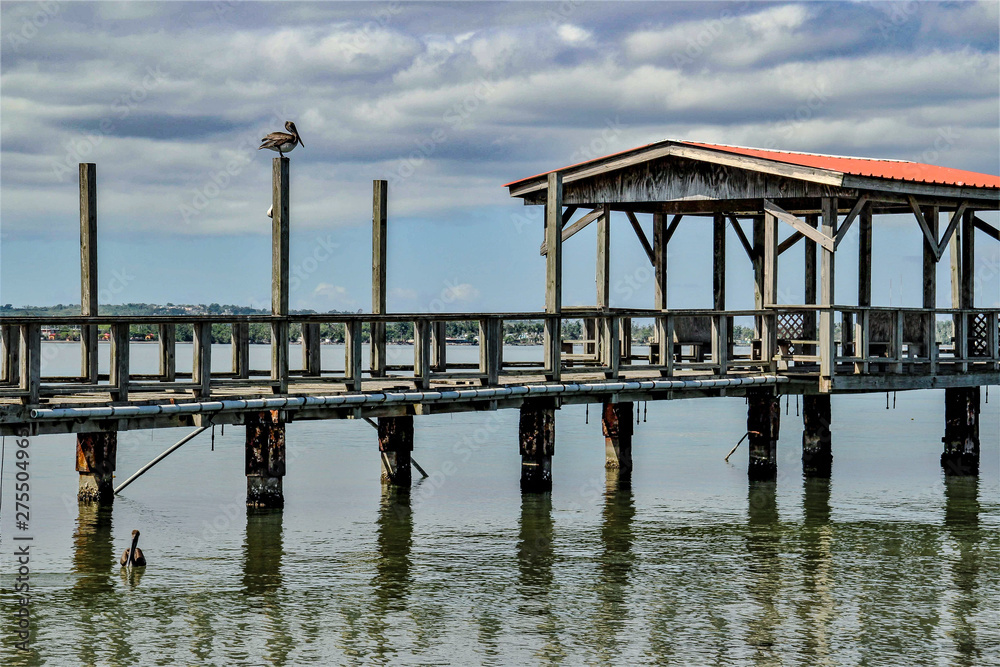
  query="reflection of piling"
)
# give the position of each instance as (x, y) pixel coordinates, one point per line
(94, 561)
(263, 550)
(961, 520)
(763, 418)
(763, 553)
(394, 540)
(817, 607)
(395, 443)
(96, 454)
(817, 450)
(537, 442)
(535, 554)
(961, 431)
(616, 423)
(615, 565)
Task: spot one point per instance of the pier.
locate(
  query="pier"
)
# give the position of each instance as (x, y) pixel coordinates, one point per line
(831, 344)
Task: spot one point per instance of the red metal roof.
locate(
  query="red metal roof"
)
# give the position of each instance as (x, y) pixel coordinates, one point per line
(897, 170)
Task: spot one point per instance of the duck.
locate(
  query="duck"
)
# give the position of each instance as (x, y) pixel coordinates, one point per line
(282, 142)
(133, 555)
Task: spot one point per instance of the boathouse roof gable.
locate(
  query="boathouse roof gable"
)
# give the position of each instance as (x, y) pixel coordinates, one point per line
(684, 171)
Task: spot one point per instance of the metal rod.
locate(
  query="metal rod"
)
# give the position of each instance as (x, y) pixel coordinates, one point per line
(419, 469)
(159, 458)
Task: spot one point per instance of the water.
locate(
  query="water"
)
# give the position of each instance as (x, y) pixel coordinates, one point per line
(888, 563)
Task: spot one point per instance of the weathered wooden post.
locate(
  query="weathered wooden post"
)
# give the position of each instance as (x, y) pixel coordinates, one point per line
(395, 445)
(96, 455)
(763, 419)
(380, 204)
(241, 349)
(961, 431)
(809, 280)
(88, 269)
(827, 340)
(817, 451)
(616, 423)
(279, 273)
(265, 458)
(10, 338)
(168, 351)
(201, 368)
(537, 442)
(553, 277)
(311, 351)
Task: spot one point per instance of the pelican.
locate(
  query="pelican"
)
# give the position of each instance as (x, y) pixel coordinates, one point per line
(282, 141)
(133, 555)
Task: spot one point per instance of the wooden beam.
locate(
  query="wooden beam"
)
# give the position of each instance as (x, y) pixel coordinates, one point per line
(719, 262)
(930, 257)
(567, 214)
(201, 364)
(986, 228)
(568, 232)
(603, 257)
(88, 269)
(641, 236)
(380, 206)
(809, 284)
(956, 217)
(929, 236)
(742, 236)
(352, 354)
(819, 237)
(968, 287)
(553, 275)
(758, 264)
(791, 241)
(279, 236)
(660, 263)
(676, 220)
(846, 224)
(865, 258)
(827, 342)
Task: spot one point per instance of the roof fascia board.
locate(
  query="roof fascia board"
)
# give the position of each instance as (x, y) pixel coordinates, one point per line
(914, 188)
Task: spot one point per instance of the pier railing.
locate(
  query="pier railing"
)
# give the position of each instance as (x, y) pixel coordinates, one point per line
(809, 340)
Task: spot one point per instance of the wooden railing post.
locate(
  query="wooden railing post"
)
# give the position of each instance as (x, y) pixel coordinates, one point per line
(439, 346)
(490, 349)
(897, 340)
(280, 229)
(665, 341)
(119, 375)
(720, 343)
(422, 353)
(201, 367)
(10, 338)
(352, 354)
(88, 270)
(279, 356)
(993, 339)
(167, 344)
(962, 340)
(380, 203)
(865, 339)
(30, 361)
(311, 351)
(625, 335)
(241, 349)
(827, 339)
(611, 350)
(930, 335)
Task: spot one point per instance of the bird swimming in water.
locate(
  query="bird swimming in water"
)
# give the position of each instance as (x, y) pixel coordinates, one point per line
(282, 142)
(133, 555)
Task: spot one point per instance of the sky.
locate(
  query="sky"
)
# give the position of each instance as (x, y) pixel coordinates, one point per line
(447, 102)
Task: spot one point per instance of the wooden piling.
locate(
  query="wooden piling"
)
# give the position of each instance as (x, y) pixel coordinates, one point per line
(241, 349)
(88, 270)
(168, 351)
(96, 455)
(380, 204)
(119, 376)
(10, 338)
(537, 440)
(280, 230)
(395, 445)
(201, 369)
(265, 459)
(616, 424)
(817, 451)
(827, 341)
(961, 431)
(311, 351)
(553, 277)
(763, 419)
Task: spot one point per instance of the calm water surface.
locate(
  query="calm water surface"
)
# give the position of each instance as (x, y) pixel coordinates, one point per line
(887, 563)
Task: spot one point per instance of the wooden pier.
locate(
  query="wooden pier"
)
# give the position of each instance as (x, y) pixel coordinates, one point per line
(818, 348)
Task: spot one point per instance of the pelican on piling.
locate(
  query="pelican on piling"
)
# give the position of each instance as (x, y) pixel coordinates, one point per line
(133, 555)
(282, 142)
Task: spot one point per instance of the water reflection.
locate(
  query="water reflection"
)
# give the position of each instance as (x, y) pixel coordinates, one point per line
(263, 551)
(961, 520)
(393, 578)
(535, 557)
(763, 542)
(614, 566)
(816, 608)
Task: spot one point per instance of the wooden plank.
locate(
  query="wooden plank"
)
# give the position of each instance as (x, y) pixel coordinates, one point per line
(568, 214)
(241, 349)
(279, 236)
(201, 369)
(119, 375)
(311, 359)
(734, 221)
(553, 348)
(422, 353)
(641, 235)
(825, 240)
(10, 339)
(719, 262)
(929, 236)
(865, 257)
(439, 347)
(665, 338)
(568, 232)
(660, 263)
(610, 348)
(827, 340)
(967, 292)
(930, 257)
(859, 205)
(956, 217)
(986, 228)
(279, 356)
(720, 343)
(791, 241)
(771, 260)
(553, 274)
(30, 362)
(930, 342)
(490, 349)
(603, 268)
(88, 269)
(380, 204)
(809, 287)
(352, 355)
(897, 341)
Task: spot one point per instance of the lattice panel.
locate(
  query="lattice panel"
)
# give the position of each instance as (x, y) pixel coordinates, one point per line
(978, 336)
(791, 325)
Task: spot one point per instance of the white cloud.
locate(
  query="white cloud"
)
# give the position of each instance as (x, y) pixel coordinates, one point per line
(573, 34)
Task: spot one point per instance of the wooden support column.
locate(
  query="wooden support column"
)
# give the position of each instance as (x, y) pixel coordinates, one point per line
(604, 259)
(961, 431)
(537, 442)
(758, 282)
(167, 344)
(88, 270)
(311, 350)
(380, 206)
(395, 444)
(30, 361)
(241, 349)
(553, 277)
(96, 455)
(817, 451)
(809, 285)
(119, 375)
(616, 423)
(931, 216)
(422, 354)
(865, 257)
(265, 459)
(719, 262)
(352, 354)
(827, 342)
(763, 420)
(769, 333)
(201, 369)
(279, 273)
(10, 339)
(656, 350)
(968, 283)
(439, 346)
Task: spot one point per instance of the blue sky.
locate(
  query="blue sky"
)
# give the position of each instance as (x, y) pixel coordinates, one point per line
(448, 101)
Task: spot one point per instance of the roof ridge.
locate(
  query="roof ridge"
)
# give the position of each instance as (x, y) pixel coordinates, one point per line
(774, 150)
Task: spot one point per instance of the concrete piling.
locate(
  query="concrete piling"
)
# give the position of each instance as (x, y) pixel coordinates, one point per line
(817, 451)
(395, 444)
(96, 454)
(961, 431)
(537, 440)
(265, 459)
